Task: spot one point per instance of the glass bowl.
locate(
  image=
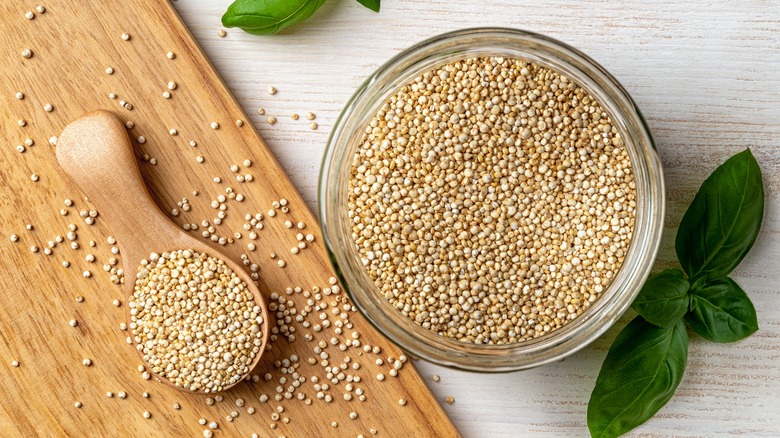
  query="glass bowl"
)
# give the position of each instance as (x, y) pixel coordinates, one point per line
(347, 135)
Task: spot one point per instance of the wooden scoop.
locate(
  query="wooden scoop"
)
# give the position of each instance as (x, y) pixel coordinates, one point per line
(95, 151)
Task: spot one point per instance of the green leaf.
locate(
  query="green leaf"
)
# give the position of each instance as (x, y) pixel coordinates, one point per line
(266, 17)
(640, 374)
(663, 299)
(723, 220)
(722, 312)
(370, 4)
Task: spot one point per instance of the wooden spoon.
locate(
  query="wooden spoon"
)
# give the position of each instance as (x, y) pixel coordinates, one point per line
(95, 151)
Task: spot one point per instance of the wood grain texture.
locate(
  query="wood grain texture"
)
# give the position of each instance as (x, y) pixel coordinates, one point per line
(73, 43)
(707, 78)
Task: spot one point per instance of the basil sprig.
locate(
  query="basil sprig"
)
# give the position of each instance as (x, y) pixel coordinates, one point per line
(650, 362)
(267, 17)
(370, 4)
(646, 362)
(722, 312)
(663, 299)
(722, 222)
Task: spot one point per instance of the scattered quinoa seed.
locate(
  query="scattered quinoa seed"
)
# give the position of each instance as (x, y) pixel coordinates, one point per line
(450, 399)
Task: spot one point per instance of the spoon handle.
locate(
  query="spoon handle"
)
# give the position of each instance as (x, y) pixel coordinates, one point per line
(95, 151)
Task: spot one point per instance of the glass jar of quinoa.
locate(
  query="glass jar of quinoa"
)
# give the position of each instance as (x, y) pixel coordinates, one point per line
(492, 199)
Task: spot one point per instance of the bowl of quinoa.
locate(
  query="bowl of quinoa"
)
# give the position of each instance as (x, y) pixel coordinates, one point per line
(492, 199)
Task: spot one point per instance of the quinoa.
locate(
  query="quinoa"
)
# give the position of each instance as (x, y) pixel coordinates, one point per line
(492, 200)
(194, 320)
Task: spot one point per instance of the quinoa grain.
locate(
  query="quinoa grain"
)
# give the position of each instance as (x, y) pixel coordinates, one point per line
(492, 200)
(194, 320)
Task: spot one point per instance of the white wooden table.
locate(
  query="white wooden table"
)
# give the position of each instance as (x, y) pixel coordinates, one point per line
(706, 75)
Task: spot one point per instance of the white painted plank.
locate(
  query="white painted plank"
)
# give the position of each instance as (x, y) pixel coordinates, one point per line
(707, 77)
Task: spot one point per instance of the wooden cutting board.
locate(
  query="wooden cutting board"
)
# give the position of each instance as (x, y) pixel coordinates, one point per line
(72, 44)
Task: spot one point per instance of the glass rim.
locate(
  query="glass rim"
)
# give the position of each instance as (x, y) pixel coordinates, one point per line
(646, 167)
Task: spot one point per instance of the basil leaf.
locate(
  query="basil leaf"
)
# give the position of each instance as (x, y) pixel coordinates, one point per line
(723, 220)
(640, 374)
(663, 299)
(266, 17)
(370, 4)
(722, 312)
